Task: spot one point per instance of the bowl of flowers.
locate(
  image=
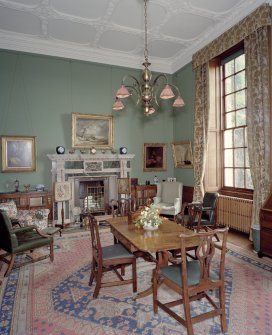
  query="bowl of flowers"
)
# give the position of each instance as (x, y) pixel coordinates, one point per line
(149, 218)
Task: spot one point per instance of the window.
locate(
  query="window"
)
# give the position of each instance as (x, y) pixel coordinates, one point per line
(235, 161)
(227, 164)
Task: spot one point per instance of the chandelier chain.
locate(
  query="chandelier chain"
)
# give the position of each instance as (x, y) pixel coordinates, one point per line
(145, 18)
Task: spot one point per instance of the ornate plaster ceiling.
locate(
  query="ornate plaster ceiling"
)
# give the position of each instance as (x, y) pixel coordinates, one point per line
(111, 31)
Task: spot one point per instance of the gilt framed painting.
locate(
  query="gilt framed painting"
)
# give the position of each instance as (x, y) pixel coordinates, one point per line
(92, 131)
(155, 156)
(18, 153)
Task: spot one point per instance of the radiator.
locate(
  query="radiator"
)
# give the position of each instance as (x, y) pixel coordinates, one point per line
(235, 213)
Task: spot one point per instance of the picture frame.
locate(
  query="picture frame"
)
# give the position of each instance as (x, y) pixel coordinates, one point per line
(155, 156)
(62, 191)
(182, 154)
(123, 185)
(18, 153)
(92, 131)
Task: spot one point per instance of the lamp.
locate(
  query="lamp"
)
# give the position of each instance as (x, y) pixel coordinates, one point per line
(147, 90)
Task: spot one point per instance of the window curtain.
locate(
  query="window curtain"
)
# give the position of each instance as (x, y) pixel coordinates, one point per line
(257, 53)
(200, 128)
(250, 25)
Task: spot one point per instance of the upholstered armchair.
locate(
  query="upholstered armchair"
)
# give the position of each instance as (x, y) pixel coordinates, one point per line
(169, 197)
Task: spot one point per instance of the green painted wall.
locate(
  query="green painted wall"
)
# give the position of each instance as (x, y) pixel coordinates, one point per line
(39, 93)
(184, 121)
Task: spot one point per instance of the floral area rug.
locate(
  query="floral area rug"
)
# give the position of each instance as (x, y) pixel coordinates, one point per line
(55, 299)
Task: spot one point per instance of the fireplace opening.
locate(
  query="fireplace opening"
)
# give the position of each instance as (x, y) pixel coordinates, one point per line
(93, 194)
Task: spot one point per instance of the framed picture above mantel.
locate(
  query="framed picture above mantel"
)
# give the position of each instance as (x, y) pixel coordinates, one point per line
(92, 131)
(18, 153)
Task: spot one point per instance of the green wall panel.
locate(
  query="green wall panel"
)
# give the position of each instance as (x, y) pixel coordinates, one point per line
(39, 93)
(184, 121)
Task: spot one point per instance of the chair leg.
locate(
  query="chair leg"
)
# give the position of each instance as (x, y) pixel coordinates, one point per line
(98, 284)
(134, 276)
(92, 273)
(155, 291)
(187, 314)
(223, 320)
(10, 266)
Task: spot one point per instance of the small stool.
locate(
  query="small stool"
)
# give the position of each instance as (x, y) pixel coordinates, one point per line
(51, 230)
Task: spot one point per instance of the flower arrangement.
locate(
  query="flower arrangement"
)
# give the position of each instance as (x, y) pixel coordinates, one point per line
(150, 217)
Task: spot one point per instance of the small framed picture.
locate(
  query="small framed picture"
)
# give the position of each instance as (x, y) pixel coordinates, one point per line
(123, 185)
(18, 153)
(155, 156)
(182, 154)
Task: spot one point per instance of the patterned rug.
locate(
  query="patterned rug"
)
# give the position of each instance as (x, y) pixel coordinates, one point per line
(55, 299)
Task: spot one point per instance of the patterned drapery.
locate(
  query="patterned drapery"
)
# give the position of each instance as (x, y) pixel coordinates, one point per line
(261, 17)
(257, 53)
(200, 128)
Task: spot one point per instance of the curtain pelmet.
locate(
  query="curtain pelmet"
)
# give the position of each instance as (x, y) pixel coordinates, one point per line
(261, 17)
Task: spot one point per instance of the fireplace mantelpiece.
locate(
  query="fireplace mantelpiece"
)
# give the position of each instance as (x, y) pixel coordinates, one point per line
(68, 167)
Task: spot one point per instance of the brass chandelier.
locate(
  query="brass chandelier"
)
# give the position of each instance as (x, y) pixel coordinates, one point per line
(147, 90)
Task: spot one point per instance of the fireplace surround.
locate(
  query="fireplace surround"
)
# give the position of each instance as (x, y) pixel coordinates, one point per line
(83, 171)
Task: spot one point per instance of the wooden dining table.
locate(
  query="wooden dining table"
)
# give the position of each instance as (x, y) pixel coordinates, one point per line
(153, 246)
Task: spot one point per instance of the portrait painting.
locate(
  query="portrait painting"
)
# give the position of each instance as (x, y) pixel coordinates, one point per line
(18, 153)
(92, 131)
(155, 156)
(182, 154)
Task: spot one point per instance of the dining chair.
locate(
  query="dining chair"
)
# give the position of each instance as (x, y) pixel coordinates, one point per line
(194, 280)
(109, 258)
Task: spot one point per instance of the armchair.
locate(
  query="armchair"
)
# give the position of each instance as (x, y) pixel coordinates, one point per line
(19, 240)
(169, 197)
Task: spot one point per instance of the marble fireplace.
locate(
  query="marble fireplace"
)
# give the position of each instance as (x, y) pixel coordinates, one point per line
(93, 179)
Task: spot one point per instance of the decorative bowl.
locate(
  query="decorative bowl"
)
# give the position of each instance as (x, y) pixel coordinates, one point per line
(147, 227)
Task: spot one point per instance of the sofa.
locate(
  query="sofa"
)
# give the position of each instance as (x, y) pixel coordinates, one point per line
(26, 217)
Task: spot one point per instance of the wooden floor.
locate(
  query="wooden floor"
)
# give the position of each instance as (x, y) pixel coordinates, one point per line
(240, 239)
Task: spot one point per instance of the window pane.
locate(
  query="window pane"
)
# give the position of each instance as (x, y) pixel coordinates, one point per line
(228, 139)
(240, 99)
(239, 157)
(240, 63)
(239, 137)
(228, 158)
(229, 103)
(230, 120)
(241, 117)
(229, 85)
(239, 178)
(249, 183)
(229, 68)
(228, 177)
(240, 81)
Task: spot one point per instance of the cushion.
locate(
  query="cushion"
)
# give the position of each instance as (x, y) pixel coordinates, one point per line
(9, 208)
(38, 217)
(170, 191)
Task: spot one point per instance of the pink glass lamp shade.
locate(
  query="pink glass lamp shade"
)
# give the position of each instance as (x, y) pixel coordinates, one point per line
(179, 102)
(122, 92)
(167, 92)
(117, 105)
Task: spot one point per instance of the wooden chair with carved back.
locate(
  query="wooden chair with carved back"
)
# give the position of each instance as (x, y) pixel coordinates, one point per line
(109, 258)
(194, 280)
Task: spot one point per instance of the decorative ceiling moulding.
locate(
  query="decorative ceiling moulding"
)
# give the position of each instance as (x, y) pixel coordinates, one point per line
(261, 17)
(113, 15)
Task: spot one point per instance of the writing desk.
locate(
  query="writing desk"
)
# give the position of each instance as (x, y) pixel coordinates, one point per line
(143, 243)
